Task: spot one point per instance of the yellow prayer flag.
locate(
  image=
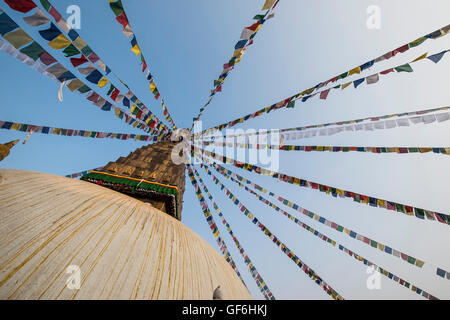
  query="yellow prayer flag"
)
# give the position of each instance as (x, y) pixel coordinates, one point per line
(268, 4)
(59, 42)
(15, 126)
(152, 86)
(419, 263)
(421, 57)
(136, 49)
(356, 70)
(103, 81)
(18, 38)
(79, 43)
(56, 131)
(345, 85)
(236, 53)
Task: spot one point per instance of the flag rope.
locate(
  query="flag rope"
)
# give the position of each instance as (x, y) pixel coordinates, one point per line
(334, 191)
(329, 223)
(312, 275)
(251, 268)
(212, 224)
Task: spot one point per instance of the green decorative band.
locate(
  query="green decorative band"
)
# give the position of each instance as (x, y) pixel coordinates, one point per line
(134, 183)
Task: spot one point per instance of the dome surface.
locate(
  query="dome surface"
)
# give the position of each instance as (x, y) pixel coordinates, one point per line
(57, 234)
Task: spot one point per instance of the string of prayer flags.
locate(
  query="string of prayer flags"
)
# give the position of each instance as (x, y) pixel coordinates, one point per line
(329, 223)
(316, 233)
(426, 116)
(72, 132)
(212, 224)
(335, 192)
(121, 17)
(276, 240)
(247, 36)
(252, 269)
(398, 150)
(307, 94)
(82, 173)
(76, 46)
(50, 68)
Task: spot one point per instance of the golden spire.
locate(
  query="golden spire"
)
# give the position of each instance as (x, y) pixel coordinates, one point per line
(5, 148)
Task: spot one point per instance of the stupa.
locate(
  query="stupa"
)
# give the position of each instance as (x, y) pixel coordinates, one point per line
(115, 234)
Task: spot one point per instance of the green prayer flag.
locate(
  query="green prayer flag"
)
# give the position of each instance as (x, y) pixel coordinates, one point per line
(70, 51)
(399, 207)
(417, 42)
(34, 50)
(111, 89)
(87, 51)
(404, 68)
(411, 260)
(258, 17)
(343, 76)
(291, 104)
(116, 7)
(46, 4)
(84, 89)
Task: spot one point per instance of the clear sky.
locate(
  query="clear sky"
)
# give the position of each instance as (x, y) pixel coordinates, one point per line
(186, 44)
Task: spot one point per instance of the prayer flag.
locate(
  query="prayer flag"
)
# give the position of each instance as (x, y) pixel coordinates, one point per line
(37, 19)
(6, 24)
(21, 5)
(59, 42)
(404, 68)
(437, 57)
(18, 38)
(51, 33)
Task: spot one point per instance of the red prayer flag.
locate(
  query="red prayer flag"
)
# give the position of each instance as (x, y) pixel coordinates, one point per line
(78, 61)
(55, 14)
(122, 19)
(144, 66)
(387, 71)
(94, 97)
(93, 57)
(324, 94)
(21, 5)
(400, 50)
(114, 94)
(254, 26)
(46, 58)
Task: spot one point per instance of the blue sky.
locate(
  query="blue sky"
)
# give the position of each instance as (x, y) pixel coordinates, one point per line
(186, 44)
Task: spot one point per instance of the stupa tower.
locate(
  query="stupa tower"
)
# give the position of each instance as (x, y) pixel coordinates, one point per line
(147, 174)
